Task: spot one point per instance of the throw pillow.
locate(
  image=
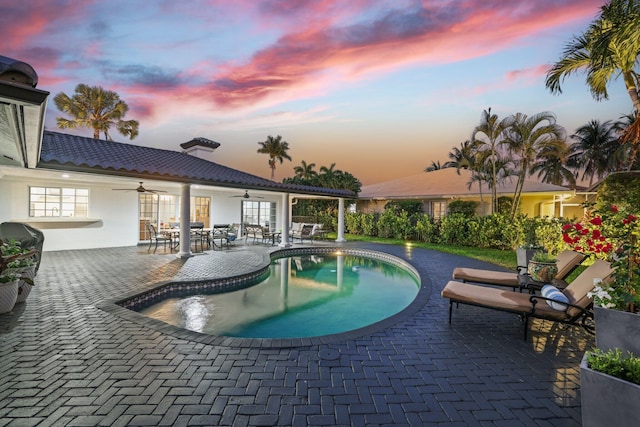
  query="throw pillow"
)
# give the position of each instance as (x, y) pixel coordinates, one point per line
(551, 292)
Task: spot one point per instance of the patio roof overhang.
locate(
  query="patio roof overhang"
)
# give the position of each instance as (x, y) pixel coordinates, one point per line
(22, 112)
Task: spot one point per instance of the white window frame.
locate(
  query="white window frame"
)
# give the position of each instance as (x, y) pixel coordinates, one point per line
(58, 202)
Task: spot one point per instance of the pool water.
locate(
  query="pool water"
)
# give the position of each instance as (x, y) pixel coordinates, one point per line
(304, 296)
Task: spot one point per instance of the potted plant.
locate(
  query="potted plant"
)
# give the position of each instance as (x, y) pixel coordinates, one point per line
(10, 252)
(610, 388)
(543, 267)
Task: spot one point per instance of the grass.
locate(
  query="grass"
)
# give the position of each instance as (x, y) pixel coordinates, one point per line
(496, 256)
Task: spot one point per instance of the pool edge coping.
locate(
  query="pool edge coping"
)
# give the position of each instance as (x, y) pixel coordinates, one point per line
(112, 306)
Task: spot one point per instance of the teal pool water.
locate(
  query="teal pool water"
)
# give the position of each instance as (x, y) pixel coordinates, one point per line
(304, 296)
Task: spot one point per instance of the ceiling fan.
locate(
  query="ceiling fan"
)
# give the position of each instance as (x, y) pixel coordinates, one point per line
(140, 189)
(246, 196)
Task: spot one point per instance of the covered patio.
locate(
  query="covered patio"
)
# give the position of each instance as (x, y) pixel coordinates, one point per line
(65, 361)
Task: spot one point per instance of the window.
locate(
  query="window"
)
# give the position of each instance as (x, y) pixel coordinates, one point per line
(58, 202)
(438, 209)
(263, 213)
(200, 209)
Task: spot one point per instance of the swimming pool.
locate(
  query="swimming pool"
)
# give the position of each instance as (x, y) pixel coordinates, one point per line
(305, 295)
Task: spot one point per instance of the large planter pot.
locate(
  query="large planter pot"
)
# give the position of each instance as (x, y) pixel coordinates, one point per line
(543, 271)
(8, 296)
(607, 400)
(617, 329)
(24, 288)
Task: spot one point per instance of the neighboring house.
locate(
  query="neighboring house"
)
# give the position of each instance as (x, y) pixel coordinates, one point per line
(436, 189)
(64, 184)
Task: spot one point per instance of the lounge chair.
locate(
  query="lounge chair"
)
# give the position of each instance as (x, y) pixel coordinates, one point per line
(576, 310)
(567, 262)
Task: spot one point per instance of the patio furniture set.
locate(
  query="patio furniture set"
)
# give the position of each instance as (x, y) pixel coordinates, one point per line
(556, 301)
(220, 236)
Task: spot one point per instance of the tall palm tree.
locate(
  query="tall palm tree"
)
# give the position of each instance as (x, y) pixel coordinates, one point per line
(305, 171)
(490, 135)
(594, 150)
(526, 137)
(277, 149)
(608, 49)
(96, 108)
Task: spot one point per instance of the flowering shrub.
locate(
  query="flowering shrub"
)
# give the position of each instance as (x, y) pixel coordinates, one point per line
(611, 234)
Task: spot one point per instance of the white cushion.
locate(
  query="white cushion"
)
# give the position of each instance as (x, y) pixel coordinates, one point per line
(551, 292)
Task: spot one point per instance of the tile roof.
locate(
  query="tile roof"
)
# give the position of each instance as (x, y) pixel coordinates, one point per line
(445, 183)
(76, 153)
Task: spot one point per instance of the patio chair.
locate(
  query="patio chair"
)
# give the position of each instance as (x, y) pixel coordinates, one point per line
(567, 262)
(305, 233)
(570, 306)
(255, 231)
(156, 237)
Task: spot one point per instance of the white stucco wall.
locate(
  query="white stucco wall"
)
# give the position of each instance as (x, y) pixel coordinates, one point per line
(112, 219)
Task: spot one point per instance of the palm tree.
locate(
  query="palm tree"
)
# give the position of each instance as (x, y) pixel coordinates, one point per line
(305, 171)
(607, 49)
(490, 134)
(459, 156)
(628, 133)
(594, 150)
(277, 149)
(551, 165)
(95, 108)
(434, 166)
(525, 138)
(327, 176)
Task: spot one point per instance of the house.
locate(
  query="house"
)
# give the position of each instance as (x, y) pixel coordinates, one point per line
(89, 193)
(436, 189)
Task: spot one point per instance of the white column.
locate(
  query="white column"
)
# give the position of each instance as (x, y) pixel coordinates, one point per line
(285, 212)
(185, 219)
(341, 238)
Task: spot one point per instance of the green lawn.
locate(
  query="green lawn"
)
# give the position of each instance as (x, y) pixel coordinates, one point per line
(503, 258)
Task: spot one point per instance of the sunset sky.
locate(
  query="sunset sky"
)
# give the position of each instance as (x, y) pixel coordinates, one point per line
(380, 88)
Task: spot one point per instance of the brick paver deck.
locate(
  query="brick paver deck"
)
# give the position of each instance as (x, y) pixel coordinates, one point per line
(64, 361)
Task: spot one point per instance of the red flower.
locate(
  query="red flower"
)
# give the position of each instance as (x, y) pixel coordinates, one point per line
(596, 234)
(614, 209)
(632, 218)
(567, 238)
(584, 232)
(596, 221)
(567, 227)
(577, 226)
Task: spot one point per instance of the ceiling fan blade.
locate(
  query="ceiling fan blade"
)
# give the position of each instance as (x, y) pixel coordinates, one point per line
(140, 189)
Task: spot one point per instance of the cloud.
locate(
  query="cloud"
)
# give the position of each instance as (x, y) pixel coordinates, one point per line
(385, 42)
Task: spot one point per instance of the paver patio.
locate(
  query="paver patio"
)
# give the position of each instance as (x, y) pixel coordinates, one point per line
(64, 361)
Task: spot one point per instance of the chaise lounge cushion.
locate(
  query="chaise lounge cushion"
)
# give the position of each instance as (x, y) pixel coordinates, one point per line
(567, 261)
(501, 278)
(497, 298)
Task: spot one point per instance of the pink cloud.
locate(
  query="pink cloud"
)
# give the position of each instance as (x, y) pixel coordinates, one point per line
(394, 40)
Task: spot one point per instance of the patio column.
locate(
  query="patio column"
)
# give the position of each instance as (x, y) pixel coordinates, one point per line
(185, 219)
(286, 210)
(341, 238)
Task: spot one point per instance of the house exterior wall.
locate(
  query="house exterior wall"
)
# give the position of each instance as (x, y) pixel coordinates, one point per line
(112, 219)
